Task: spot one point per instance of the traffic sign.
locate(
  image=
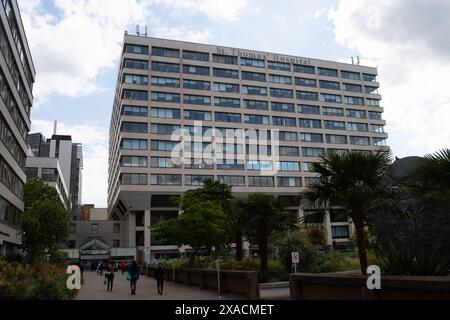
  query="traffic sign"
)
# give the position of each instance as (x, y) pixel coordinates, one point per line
(295, 257)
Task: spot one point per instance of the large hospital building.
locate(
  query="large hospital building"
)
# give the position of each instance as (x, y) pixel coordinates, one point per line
(184, 112)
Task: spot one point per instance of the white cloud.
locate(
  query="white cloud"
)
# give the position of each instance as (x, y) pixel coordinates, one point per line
(95, 154)
(408, 41)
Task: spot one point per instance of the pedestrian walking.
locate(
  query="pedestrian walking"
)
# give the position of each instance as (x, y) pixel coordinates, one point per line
(109, 276)
(159, 275)
(123, 265)
(133, 276)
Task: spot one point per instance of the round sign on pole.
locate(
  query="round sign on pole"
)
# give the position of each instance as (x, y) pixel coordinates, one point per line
(295, 257)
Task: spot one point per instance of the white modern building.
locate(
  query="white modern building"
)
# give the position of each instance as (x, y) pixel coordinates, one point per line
(16, 98)
(184, 112)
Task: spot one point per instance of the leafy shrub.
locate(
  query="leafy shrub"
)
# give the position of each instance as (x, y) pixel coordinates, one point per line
(37, 282)
(316, 236)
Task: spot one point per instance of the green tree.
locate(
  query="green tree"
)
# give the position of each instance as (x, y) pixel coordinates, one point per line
(203, 223)
(45, 223)
(354, 181)
(265, 216)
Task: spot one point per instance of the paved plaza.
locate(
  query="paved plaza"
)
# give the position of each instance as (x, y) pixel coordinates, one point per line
(94, 289)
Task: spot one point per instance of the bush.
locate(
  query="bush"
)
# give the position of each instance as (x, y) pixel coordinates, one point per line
(38, 282)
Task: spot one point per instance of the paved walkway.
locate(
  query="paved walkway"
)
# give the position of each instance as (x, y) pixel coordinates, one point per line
(94, 289)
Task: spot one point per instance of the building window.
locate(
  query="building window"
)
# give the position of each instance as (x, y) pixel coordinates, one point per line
(201, 100)
(71, 244)
(73, 228)
(204, 71)
(140, 238)
(283, 121)
(330, 98)
(361, 127)
(166, 82)
(134, 161)
(336, 139)
(225, 87)
(378, 128)
(287, 136)
(135, 64)
(228, 117)
(259, 91)
(163, 145)
(225, 73)
(164, 129)
(308, 166)
(280, 79)
(166, 97)
(350, 75)
(256, 119)
(352, 87)
(282, 66)
(260, 182)
(135, 79)
(165, 179)
(134, 144)
(289, 181)
(135, 95)
(134, 111)
(353, 113)
(288, 151)
(227, 102)
(137, 127)
(339, 232)
(49, 174)
(354, 101)
(311, 137)
(134, 179)
(307, 109)
(165, 113)
(334, 125)
(163, 162)
(312, 152)
(116, 228)
(94, 228)
(281, 93)
(360, 141)
(253, 76)
(330, 85)
(165, 52)
(303, 82)
(374, 115)
(197, 56)
(255, 104)
(330, 111)
(306, 95)
(191, 180)
(282, 107)
(379, 142)
(304, 69)
(327, 72)
(310, 123)
(197, 115)
(237, 181)
(31, 173)
(369, 77)
(196, 84)
(373, 102)
(218, 58)
(288, 166)
(252, 63)
(137, 49)
(116, 243)
(165, 67)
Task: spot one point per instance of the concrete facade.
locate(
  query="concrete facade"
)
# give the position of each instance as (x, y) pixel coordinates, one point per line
(16, 84)
(297, 106)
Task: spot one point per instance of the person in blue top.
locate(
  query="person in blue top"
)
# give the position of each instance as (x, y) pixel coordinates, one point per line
(133, 270)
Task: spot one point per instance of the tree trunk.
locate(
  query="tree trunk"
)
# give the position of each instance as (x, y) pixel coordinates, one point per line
(361, 240)
(239, 249)
(263, 252)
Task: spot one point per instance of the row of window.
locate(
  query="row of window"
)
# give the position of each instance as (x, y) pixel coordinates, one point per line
(11, 143)
(249, 62)
(12, 21)
(10, 179)
(9, 213)
(257, 105)
(228, 87)
(7, 96)
(250, 90)
(198, 180)
(14, 70)
(142, 127)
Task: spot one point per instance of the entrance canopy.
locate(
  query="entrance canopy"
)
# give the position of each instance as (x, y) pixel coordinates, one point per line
(95, 248)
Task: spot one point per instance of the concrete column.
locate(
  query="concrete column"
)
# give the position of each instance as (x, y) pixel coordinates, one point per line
(147, 235)
(327, 227)
(131, 229)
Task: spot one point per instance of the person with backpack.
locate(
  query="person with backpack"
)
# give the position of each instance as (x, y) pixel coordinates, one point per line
(109, 276)
(133, 276)
(159, 275)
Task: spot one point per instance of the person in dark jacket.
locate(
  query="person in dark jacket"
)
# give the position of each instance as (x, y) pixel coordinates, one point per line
(159, 275)
(133, 270)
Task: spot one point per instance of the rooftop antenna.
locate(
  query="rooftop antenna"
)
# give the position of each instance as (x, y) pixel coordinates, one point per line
(55, 125)
(138, 29)
(358, 61)
(145, 30)
(353, 62)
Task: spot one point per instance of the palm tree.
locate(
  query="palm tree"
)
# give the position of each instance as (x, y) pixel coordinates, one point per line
(433, 175)
(264, 216)
(352, 180)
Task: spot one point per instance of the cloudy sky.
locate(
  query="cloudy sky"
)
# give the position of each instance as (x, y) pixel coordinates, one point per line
(76, 45)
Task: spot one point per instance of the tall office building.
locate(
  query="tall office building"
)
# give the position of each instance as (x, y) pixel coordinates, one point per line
(16, 84)
(254, 120)
(58, 161)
